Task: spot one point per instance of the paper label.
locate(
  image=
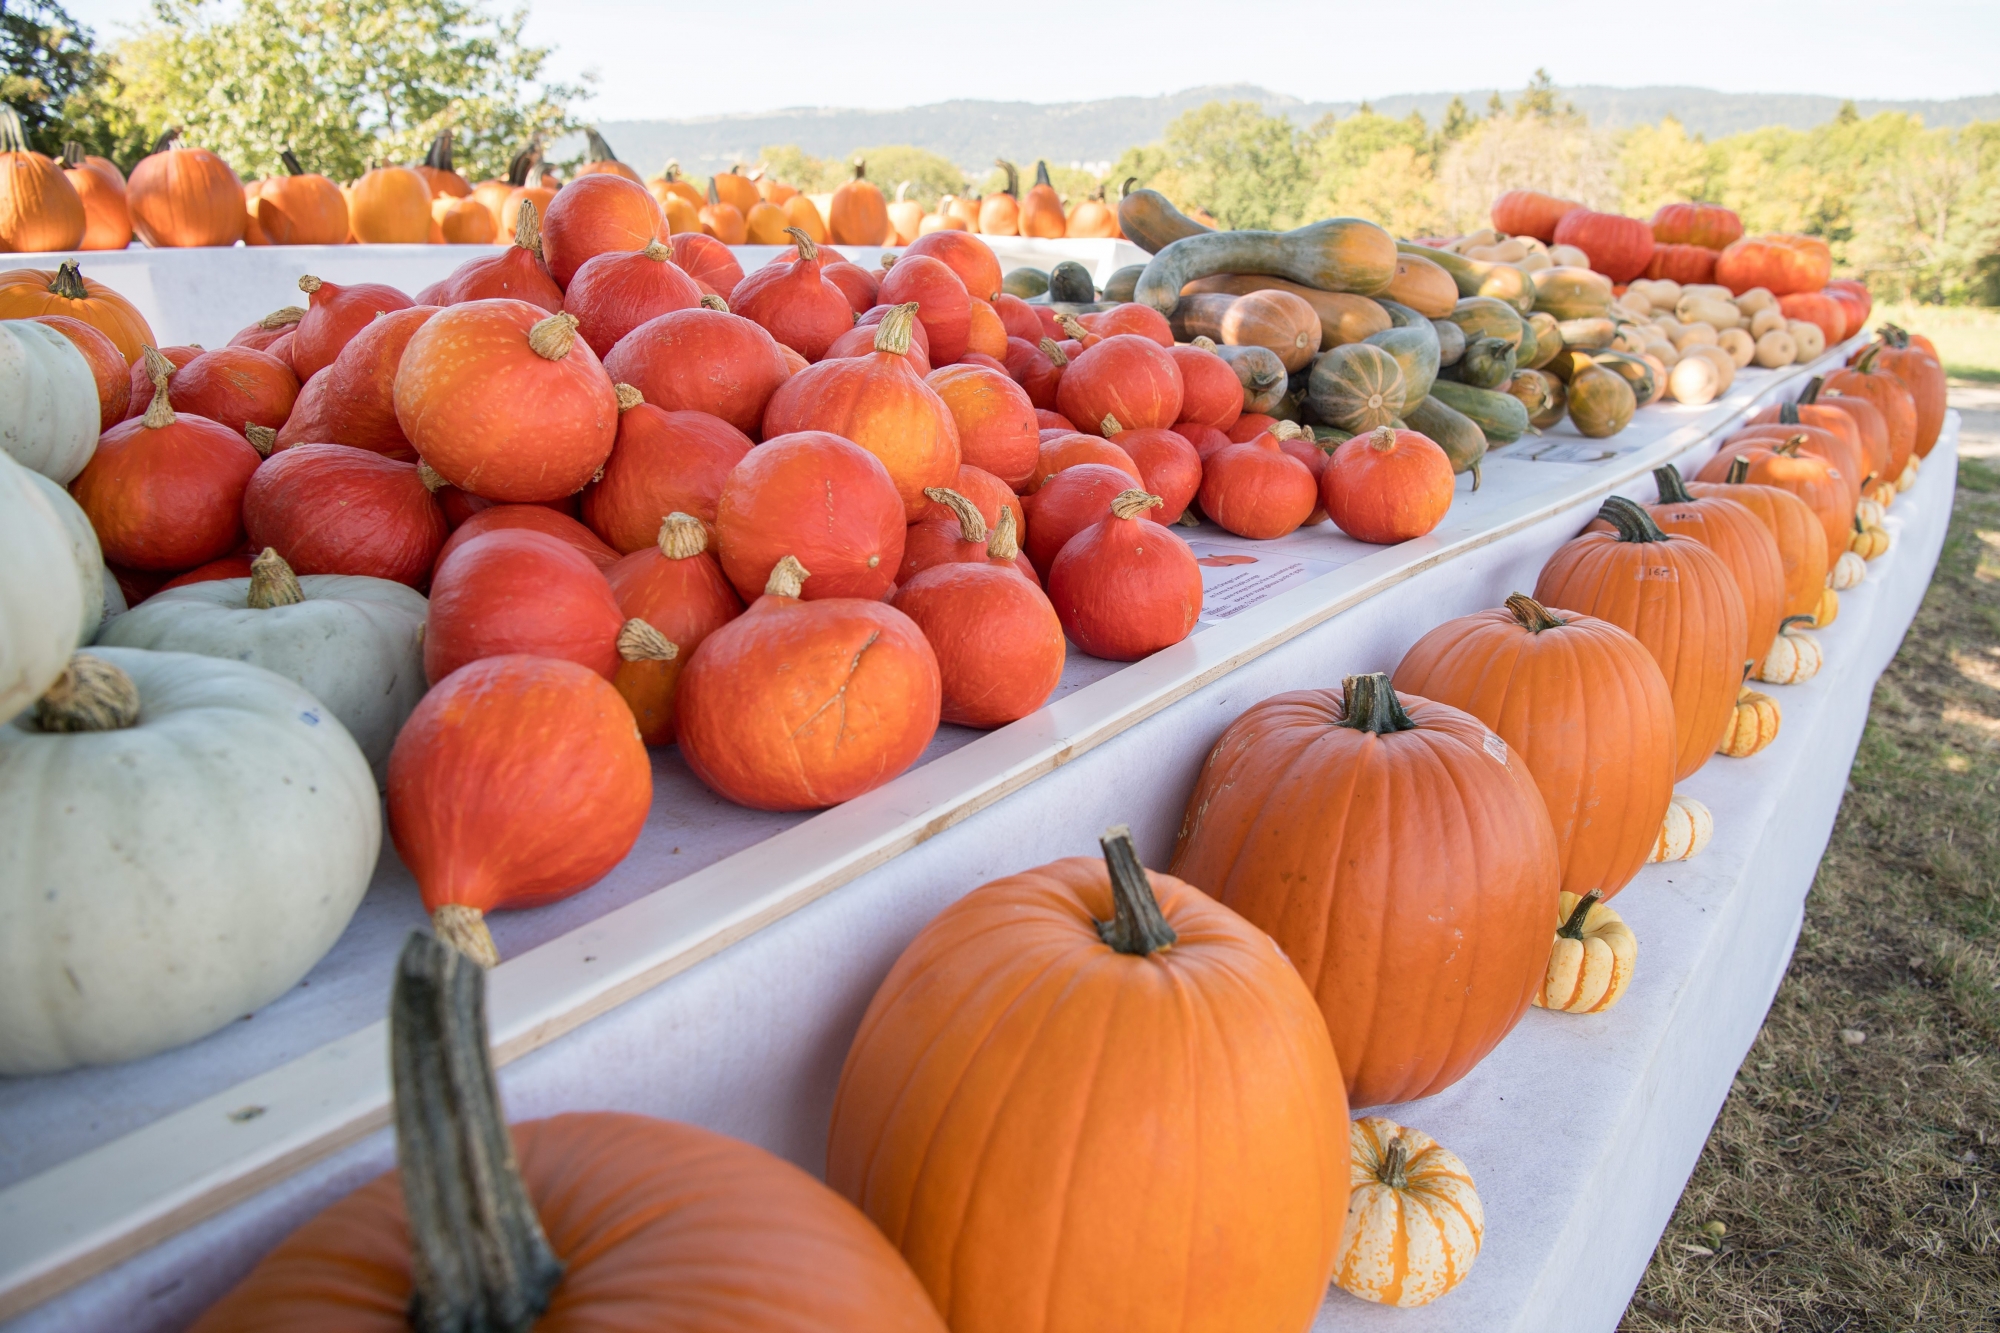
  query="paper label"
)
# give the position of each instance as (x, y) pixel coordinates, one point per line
(1234, 580)
(1660, 573)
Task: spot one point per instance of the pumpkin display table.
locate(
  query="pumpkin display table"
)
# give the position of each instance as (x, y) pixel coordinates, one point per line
(131, 1195)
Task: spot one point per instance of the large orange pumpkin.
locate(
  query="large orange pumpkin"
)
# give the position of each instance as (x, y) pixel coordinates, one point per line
(881, 403)
(534, 518)
(594, 215)
(1779, 263)
(1801, 537)
(391, 206)
(1041, 208)
(1921, 374)
(662, 462)
(1867, 380)
(795, 302)
(615, 292)
(1871, 428)
(1618, 246)
(1531, 213)
(39, 207)
(675, 586)
(27, 292)
(182, 196)
(107, 223)
(438, 172)
(1834, 445)
(1423, 939)
(335, 509)
(797, 705)
(1710, 226)
(1781, 462)
(517, 781)
(997, 432)
(859, 215)
(165, 492)
(1059, 1034)
(1584, 706)
(1675, 596)
(505, 401)
(1128, 377)
(1730, 530)
(593, 1221)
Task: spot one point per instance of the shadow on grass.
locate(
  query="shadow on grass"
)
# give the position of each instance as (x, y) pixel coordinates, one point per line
(1973, 374)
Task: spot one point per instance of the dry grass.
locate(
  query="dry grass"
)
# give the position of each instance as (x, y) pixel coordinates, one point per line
(1850, 1188)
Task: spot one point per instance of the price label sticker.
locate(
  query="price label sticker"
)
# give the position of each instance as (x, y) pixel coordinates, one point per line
(1661, 573)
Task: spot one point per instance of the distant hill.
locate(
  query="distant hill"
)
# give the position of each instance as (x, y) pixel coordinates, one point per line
(973, 133)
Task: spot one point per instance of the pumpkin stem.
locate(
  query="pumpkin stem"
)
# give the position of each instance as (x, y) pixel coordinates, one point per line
(656, 252)
(682, 536)
(291, 161)
(478, 1254)
(1126, 188)
(523, 163)
(1204, 342)
(309, 284)
(1531, 615)
(1054, 352)
(1042, 174)
(1790, 621)
(1395, 1168)
(1289, 430)
(552, 338)
(629, 397)
(528, 229)
(69, 282)
(89, 695)
(600, 151)
(1137, 926)
(169, 138)
(1810, 394)
(888, 260)
(464, 929)
(1132, 503)
(72, 154)
(284, 317)
(433, 480)
(1004, 544)
(1867, 361)
(439, 158)
(1110, 426)
(1071, 325)
(894, 334)
(1572, 929)
(971, 523)
(807, 250)
(860, 169)
(640, 642)
(1633, 523)
(1788, 414)
(714, 302)
(159, 412)
(1739, 470)
(788, 578)
(1382, 439)
(1369, 703)
(1013, 175)
(1673, 489)
(262, 438)
(272, 582)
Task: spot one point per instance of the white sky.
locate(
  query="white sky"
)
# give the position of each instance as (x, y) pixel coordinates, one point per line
(698, 57)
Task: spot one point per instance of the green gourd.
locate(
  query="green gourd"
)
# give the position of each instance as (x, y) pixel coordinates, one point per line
(1488, 363)
(1452, 431)
(1357, 387)
(1070, 281)
(1337, 255)
(1548, 341)
(1025, 282)
(1451, 341)
(1150, 220)
(1482, 315)
(1500, 417)
(1120, 285)
(1503, 282)
(1416, 350)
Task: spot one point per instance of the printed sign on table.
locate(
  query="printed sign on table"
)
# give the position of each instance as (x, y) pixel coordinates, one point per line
(1234, 580)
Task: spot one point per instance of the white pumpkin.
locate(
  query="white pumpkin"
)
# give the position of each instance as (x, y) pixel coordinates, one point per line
(1684, 832)
(354, 643)
(166, 877)
(1794, 656)
(49, 412)
(83, 548)
(40, 596)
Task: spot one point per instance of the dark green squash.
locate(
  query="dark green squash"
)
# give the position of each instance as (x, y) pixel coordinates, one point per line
(1488, 363)
(1151, 222)
(1259, 371)
(1025, 283)
(1416, 350)
(1451, 341)
(1501, 417)
(1357, 387)
(1070, 281)
(1120, 284)
(1483, 316)
(1337, 255)
(1452, 431)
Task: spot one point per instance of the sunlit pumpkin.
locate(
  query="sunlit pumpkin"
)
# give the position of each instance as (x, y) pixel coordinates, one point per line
(64, 290)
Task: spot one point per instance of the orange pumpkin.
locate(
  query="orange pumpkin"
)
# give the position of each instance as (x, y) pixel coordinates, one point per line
(1709, 226)
(107, 366)
(1092, 219)
(881, 403)
(1675, 596)
(702, 360)
(943, 305)
(1061, 452)
(601, 161)
(1257, 490)
(1387, 486)
(1779, 263)
(516, 782)
(859, 215)
(1000, 214)
(1028, 1022)
(107, 222)
(1584, 706)
(1170, 468)
(1923, 376)
(302, 208)
(662, 463)
(1530, 213)
(798, 705)
(165, 491)
(334, 316)
(391, 206)
(1871, 428)
(1801, 537)
(795, 302)
(461, 221)
(1781, 462)
(517, 273)
(1871, 382)
(605, 1218)
(27, 292)
(438, 172)
(477, 610)
(1041, 209)
(997, 432)
(533, 518)
(334, 509)
(182, 196)
(594, 215)
(238, 387)
(1127, 376)
(813, 495)
(1730, 530)
(39, 207)
(352, 401)
(675, 586)
(1125, 587)
(708, 261)
(1834, 445)
(722, 220)
(505, 401)
(1300, 822)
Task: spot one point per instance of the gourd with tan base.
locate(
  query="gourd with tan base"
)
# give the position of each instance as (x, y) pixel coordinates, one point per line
(1753, 726)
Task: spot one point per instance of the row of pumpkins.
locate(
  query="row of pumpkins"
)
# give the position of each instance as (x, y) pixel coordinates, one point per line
(181, 195)
(981, 1156)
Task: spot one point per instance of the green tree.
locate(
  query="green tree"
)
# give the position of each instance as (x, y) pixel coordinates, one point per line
(346, 83)
(1232, 161)
(1457, 123)
(60, 84)
(1661, 164)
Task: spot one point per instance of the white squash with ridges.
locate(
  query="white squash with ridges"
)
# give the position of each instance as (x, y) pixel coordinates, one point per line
(49, 412)
(40, 597)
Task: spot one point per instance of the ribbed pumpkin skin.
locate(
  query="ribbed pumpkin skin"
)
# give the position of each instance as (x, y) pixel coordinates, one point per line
(335, 509)
(1709, 226)
(1618, 246)
(1026, 1113)
(1839, 450)
(107, 221)
(1801, 539)
(28, 291)
(307, 209)
(516, 591)
(185, 196)
(1682, 263)
(1680, 600)
(390, 206)
(1805, 475)
(1779, 263)
(1889, 396)
(1748, 548)
(517, 781)
(1585, 707)
(663, 1225)
(1422, 937)
(1530, 213)
(1357, 387)
(1924, 378)
(39, 207)
(662, 463)
(1871, 427)
(799, 705)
